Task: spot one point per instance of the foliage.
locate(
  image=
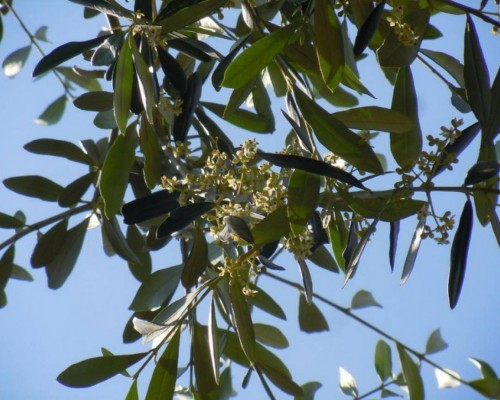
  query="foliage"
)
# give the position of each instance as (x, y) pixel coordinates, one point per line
(233, 208)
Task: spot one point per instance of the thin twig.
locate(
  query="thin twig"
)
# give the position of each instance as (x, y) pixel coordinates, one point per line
(478, 13)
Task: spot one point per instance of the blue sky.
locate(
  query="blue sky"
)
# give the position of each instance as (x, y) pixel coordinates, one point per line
(44, 331)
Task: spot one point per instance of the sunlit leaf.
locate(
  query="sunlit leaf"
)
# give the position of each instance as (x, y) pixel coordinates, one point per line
(375, 118)
(77, 76)
(133, 393)
(363, 299)
(242, 319)
(53, 113)
(303, 193)
(411, 256)
(411, 374)
(459, 251)
(281, 380)
(383, 360)
(116, 169)
(270, 335)
(486, 369)
(15, 61)
(347, 383)
(218, 74)
(152, 151)
(273, 227)
(213, 341)
(311, 319)
(95, 370)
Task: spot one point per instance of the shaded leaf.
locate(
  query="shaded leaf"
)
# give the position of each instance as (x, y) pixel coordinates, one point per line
(306, 279)
(123, 79)
(61, 266)
(336, 137)
(411, 256)
(486, 370)
(174, 73)
(239, 227)
(303, 194)
(182, 216)
(80, 77)
(148, 207)
(10, 222)
(58, 148)
(20, 274)
(197, 261)
(375, 118)
(66, 52)
(137, 243)
(53, 113)
(6, 267)
(281, 380)
(273, 227)
(266, 303)
(153, 154)
(15, 61)
(106, 7)
(435, 343)
(368, 28)
(98, 369)
(205, 377)
(393, 242)
(309, 389)
(242, 319)
(112, 232)
(94, 101)
(363, 299)
(301, 133)
(384, 207)
(34, 186)
(133, 393)
(459, 251)
(74, 192)
(489, 387)
(255, 58)
(481, 171)
(411, 374)
(49, 244)
(383, 360)
(323, 258)
(312, 166)
(158, 287)
(311, 319)
(270, 335)
(347, 383)
(116, 169)
(448, 63)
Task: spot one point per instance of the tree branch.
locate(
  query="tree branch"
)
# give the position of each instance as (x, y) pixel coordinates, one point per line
(470, 10)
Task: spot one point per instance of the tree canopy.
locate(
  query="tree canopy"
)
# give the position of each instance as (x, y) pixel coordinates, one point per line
(173, 83)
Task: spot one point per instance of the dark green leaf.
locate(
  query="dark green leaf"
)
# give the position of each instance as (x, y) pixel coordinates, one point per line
(374, 118)
(363, 299)
(197, 261)
(367, 30)
(492, 129)
(106, 7)
(194, 48)
(66, 52)
(254, 59)
(174, 73)
(303, 193)
(58, 148)
(242, 319)
(477, 78)
(116, 169)
(239, 227)
(137, 243)
(148, 207)
(158, 287)
(448, 63)
(112, 232)
(489, 387)
(205, 377)
(94, 101)
(311, 165)
(74, 192)
(53, 113)
(336, 137)
(182, 216)
(20, 274)
(481, 171)
(385, 207)
(281, 380)
(270, 335)
(133, 393)
(306, 279)
(486, 370)
(153, 154)
(393, 243)
(95, 370)
(34, 186)
(9, 222)
(218, 74)
(459, 251)
(301, 133)
(411, 256)
(146, 78)
(6, 267)
(309, 389)
(60, 267)
(15, 61)
(273, 227)
(266, 303)
(123, 80)
(105, 120)
(435, 343)
(323, 258)
(406, 146)
(311, 318)
(190, 100)
(411, 374)
(49, 244)
(383, 360)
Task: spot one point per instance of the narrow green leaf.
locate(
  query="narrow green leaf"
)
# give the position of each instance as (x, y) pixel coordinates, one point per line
(9, 222)
(435, 343)
(242, 319)
(492, 128)
(61, 266)
(66, 52)
(174, 73)
(481, 171)
(486, 370)
(324, 259)
(112, 232)
(336, 137)
(94, 101)
(448, 63)
(14, 62)
(406, 146)
(281, 380)
(150, 147)
(20, 274)
(266, 303)
(329, 43)
(411, 374)
(6, 267)
(347, 383)
(489, 387)
(123, 79)
(239, 227)
(273, 227)
(110, 7)
(49, 244)
(146, 81)
(255, 58)
(182, 216)
(459, 251)
(303, 194)
(311, 165)
(311, 319)
(133, 393)
(393, 242)
(190, 100)
(205, 377)
(270, 335)
(162, 383)
(363, 299)
(383, 360)
(98, 369)
(411, 256)
(213, 341)
(116, 169)
(197, 261)
(218, 74)
(477, 78)
(387, 208)
(34, 186)
(148, 207)
(375, 118)
(368, 28)
(58, 148)
(74, 192)
(53, 113)
(309, 389)
(158, 287)
(137, 243)
(337, 233)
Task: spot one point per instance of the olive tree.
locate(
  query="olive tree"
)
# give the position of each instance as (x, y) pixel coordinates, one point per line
(170, 175)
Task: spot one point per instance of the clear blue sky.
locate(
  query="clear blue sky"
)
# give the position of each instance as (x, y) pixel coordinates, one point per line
(44, 331)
